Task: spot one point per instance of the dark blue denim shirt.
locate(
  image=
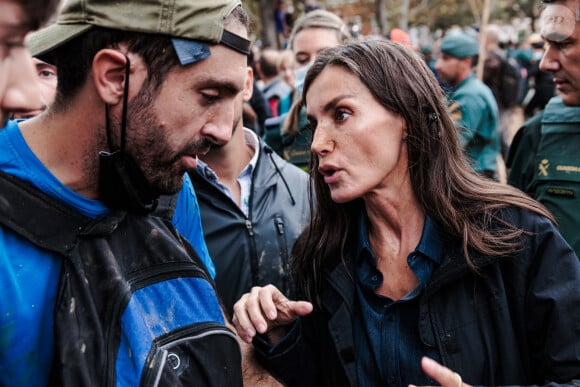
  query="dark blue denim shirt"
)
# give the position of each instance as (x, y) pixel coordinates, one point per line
(386, 333)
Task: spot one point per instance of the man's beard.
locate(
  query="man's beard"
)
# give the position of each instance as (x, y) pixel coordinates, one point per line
(147, 143)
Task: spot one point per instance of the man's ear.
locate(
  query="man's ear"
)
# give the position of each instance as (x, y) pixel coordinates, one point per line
(108, 73)
(249, 86)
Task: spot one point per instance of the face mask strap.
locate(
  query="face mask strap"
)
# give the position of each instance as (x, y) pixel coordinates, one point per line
(122, 183)
(125, 98)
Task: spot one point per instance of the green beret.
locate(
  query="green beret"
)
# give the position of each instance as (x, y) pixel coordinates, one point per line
(459, 46)
(427, 49)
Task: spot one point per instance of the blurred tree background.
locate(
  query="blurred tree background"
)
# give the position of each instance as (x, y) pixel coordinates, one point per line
(379, 16)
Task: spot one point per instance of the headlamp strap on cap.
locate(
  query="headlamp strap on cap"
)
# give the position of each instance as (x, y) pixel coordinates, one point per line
(236, 42)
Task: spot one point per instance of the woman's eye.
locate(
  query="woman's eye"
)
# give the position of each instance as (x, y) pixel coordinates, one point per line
(302, 60)
(311, 125)
(341, 115)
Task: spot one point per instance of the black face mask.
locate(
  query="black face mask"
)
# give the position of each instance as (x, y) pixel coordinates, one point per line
(122, 184)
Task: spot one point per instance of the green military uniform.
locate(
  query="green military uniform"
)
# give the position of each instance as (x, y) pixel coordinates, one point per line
(294, 148)
(475, 112)
(544, 161)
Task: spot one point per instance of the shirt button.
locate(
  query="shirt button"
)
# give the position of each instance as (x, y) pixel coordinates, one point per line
(393, 380)
(374, 278)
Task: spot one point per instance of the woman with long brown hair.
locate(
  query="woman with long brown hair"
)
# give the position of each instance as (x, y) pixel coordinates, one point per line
(411, 259)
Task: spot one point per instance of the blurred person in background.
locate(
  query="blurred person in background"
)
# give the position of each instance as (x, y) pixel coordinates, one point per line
(312, 33)
(541, 87)
(18, 83)
(47, 80)
(472, 104)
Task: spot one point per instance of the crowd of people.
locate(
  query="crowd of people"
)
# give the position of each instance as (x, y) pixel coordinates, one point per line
(180, 207)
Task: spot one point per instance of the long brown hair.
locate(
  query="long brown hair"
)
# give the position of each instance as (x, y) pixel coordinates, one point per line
(462, 202)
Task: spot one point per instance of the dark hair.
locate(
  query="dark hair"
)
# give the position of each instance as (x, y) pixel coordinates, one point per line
(73, 59)
(269, 62)
(38, 11)
(462, 202)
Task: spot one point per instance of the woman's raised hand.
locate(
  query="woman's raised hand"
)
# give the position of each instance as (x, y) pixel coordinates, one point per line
(265, 310)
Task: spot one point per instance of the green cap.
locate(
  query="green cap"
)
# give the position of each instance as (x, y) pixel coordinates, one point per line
(426, 49)
(459, 46)
(192, 23)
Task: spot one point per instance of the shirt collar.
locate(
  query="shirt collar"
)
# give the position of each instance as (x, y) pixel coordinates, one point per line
(467, 79)
(252, 141)
(431, 243)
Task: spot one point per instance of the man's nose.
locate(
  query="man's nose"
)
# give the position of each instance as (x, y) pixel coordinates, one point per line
(22, 92)
(549, 61)
(220, 123)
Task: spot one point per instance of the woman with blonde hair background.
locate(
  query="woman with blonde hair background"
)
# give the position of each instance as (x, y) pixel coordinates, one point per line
(312, 33)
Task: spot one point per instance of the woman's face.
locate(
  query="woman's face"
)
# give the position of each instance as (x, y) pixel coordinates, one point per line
(359, 144)
(309, 42)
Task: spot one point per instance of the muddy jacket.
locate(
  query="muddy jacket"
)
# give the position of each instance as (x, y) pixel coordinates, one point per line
(516, 323)
(254, 250)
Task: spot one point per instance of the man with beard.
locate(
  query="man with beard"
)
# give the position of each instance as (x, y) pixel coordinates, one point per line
(543, 158)
(98, 289)
(253, 204)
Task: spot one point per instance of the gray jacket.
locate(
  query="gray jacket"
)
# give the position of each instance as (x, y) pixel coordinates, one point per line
(254, 251)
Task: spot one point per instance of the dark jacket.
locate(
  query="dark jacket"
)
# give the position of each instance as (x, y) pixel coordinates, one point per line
(254, 251)
(517, 322)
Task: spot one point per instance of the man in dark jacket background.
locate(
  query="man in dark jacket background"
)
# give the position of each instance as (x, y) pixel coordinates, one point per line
(253, 206)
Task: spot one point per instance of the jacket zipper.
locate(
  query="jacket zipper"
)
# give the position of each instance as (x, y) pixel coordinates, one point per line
(141, 279)
(283, 253)
(188, 334)
(253, 252)
(254, 263)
